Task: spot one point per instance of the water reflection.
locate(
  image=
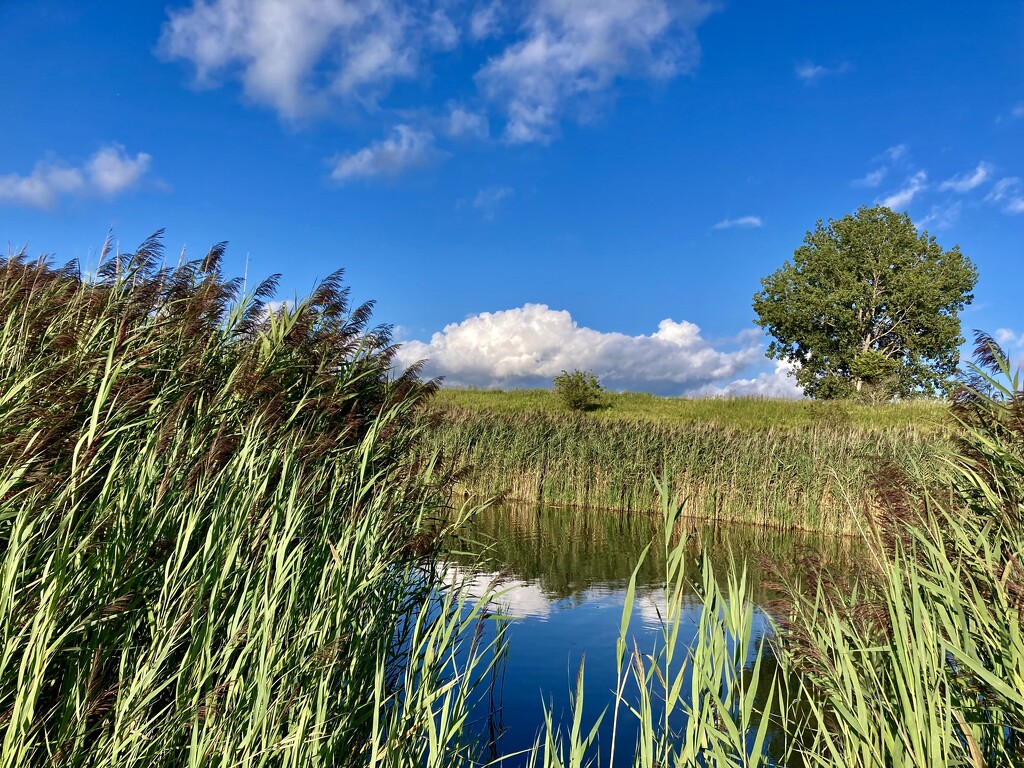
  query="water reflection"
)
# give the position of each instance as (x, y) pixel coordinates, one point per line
(563, 573)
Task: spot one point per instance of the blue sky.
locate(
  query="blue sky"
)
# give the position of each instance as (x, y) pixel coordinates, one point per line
(522, 187)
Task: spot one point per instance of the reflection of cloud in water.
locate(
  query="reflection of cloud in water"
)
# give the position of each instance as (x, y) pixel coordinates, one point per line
(522, 599)
(526, 600)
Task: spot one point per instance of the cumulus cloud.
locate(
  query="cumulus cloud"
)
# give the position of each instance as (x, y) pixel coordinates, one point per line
(554, 59)
(968, 181)
(778, 383)
(743, 222)
(913, 186)
(296, 56)
(488, 199)
(107, 173)
(872, 178)
(404, 149)
(811, 73)
(574, 50)
(530, 345)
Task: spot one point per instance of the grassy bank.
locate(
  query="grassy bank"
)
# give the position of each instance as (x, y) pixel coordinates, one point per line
(784, 464)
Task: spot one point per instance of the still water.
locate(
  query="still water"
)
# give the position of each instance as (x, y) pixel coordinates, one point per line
(564, 574)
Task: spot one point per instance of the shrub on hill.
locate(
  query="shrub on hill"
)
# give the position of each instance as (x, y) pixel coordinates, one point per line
(579, 390)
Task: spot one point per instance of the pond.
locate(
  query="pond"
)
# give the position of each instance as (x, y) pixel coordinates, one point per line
(564, 574)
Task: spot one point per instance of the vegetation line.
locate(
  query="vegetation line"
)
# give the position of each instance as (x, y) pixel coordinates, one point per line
(771, 463)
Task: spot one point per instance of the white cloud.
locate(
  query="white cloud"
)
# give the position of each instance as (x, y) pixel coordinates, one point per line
(464, 123)
(108, 172)
(872, 178)
(1006, 192)
(487, 20)
(941, 216)
(896, 152)
(1007, 337)
(406, 148)
(968, 181)
(1012, 343)
(811, 73)
(575, 50)
(530, 345)
(913, 186)
(743, 222)
(778, 383)
(1017, 112)
(489, 199)
(296, 56)
(112, 171)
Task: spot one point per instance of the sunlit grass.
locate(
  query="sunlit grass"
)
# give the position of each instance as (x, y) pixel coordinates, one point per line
(926, 416)
(816, 475)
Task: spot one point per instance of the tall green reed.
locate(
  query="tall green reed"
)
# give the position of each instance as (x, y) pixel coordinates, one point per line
(817, 477)
(210, 527)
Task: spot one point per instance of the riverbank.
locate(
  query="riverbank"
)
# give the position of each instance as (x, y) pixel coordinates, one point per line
(782, 464)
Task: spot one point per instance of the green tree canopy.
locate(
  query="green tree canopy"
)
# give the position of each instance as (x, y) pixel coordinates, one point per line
(868, 305)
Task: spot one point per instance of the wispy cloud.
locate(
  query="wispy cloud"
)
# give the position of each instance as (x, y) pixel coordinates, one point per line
(528, 346)
(743, 222)
(1006, 193)
(571, 53)
(1017, 112)
(872, 178)
(911, 189)
(489, 199)
(487, 20)
(109, 172)
(941, 216)
(967, 181)
(896, 152)
(811, 73)
(465, 123)
(406, 148)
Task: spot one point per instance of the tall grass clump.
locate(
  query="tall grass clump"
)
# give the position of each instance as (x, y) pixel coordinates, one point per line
(814, 477)
(210, 528)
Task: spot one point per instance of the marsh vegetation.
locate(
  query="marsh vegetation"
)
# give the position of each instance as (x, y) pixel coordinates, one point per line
(782, 464)
(219, 527)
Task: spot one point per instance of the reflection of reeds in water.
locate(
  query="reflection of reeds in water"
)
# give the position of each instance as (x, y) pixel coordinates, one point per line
(817, 476)
(568, 550)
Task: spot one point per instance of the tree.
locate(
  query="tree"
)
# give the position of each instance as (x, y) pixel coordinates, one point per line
(579, 390)
(868, 306)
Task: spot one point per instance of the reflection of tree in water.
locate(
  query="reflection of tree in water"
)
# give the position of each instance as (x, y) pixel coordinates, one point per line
(566, 551)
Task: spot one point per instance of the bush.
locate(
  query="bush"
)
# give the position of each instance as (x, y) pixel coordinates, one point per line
(579, 390)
